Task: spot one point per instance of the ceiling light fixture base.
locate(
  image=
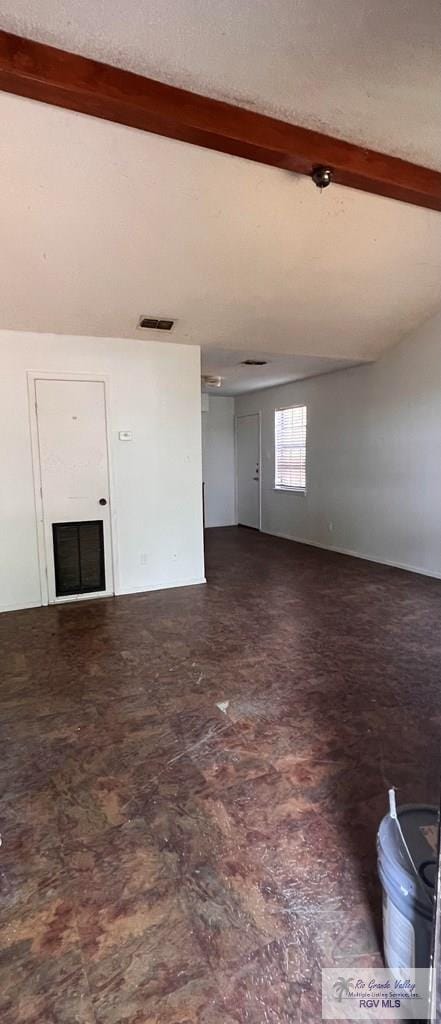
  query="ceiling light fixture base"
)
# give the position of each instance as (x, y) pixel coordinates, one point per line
(322, 176)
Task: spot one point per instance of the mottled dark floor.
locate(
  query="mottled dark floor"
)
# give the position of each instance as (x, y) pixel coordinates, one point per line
(165, 862)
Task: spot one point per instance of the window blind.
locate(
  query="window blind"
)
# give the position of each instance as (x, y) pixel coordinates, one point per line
(290, 447)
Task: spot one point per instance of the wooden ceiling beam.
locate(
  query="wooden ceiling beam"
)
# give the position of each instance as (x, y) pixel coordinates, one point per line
(68, 80)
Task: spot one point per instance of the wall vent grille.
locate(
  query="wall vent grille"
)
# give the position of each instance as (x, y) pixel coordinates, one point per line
(79, 557)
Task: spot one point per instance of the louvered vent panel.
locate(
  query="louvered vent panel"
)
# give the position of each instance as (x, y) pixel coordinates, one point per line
(79, 558)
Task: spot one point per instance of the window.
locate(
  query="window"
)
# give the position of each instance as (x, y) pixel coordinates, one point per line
(290, 448)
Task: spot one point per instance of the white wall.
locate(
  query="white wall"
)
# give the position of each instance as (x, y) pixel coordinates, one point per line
(373, 457)
(154, 391)
(218, 461)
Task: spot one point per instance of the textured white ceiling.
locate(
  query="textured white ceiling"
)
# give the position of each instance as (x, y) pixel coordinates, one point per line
(101, 223)
(366, 70)
(236, 379)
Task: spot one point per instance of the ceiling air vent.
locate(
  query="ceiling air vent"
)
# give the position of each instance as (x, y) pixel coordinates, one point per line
(151, 323)
(254, 362)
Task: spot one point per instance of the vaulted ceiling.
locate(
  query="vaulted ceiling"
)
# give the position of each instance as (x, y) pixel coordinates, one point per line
(102, 223)
(366, 70)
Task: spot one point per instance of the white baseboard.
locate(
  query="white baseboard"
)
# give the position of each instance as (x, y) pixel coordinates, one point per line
(161, 585)
(355, 554)
(218, 526)
(120, 593)
(19, 607)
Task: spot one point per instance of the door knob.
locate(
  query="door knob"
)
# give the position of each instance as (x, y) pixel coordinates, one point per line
(255, 478)
(102, 501)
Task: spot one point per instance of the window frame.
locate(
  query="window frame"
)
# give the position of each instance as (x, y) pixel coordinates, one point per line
(296, 489)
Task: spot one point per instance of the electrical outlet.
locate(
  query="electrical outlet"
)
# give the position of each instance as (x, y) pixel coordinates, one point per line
(144, 558)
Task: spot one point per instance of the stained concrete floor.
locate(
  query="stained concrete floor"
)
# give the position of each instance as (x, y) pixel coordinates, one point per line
(165, 861)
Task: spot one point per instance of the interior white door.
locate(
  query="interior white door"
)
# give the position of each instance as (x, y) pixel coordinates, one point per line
(248, 470)
(72, 438)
